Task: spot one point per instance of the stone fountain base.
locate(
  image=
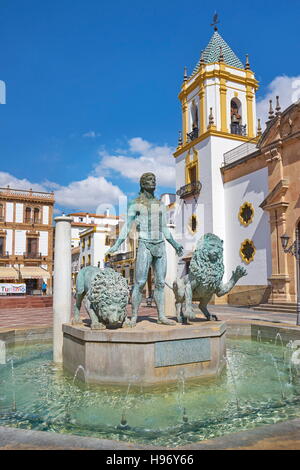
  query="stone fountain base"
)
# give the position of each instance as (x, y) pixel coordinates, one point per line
(147, 354)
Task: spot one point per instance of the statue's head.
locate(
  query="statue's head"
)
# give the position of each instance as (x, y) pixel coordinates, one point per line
(148, 182)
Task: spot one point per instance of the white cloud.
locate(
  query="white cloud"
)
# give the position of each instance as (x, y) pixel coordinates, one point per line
(91, 134)
(288, 90)
(140, 157)
(88, 193)
(95, 190)
(6, 179)
(84, 194)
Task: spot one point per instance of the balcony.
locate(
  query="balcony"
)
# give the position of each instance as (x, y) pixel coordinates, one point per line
(21, 194)
(193, 135)
(237, 129)
(32, 255)
(190, 189)
(31, 220)
(4, 255)
(122, 256)
(239, 152)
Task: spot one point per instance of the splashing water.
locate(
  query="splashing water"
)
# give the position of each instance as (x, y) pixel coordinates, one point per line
(253, 392)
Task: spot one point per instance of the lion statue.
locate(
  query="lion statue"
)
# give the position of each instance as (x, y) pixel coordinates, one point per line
(105, 293)
(204, 279)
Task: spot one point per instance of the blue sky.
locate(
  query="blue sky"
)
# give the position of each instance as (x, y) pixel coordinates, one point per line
(91, 80)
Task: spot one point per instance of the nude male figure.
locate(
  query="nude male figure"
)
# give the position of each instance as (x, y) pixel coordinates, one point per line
(149, 214)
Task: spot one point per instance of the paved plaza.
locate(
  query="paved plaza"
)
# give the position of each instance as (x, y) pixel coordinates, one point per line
(16, 318)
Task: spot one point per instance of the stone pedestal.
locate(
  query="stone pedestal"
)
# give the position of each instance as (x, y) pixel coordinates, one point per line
(147, 354)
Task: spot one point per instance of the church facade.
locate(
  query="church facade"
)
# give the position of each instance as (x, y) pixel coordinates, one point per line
(223, 176)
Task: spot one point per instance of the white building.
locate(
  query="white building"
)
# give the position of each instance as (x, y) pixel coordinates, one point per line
(26, 238)
(218, 115)
(85, 220)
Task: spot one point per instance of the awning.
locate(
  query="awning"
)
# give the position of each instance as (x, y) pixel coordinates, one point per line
(8, 273)
(34, 272)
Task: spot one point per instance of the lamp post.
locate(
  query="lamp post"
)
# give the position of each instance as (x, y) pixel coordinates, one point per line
(294, 250)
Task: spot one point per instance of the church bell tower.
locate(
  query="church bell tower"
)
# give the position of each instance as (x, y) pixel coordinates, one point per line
(218, 114)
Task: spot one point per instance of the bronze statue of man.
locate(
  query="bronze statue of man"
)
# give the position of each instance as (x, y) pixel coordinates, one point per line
(149, 214)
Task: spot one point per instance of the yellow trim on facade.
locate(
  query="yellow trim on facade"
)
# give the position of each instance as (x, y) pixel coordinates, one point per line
(246, 260)
(208, 133)
(223, 105)
(217, 73)
(243, 222)
(250, 120)
(202, 113)
(189, 164)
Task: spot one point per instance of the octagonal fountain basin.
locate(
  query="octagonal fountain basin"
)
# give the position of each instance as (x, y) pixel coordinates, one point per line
(259, 386)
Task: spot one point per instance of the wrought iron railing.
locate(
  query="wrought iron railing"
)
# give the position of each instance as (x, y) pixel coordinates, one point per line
(32, 255)
(237, 129)
(32, 220)
(29, 193)
(122, 256)
(189, 189)
(240, 152)
(193, 135)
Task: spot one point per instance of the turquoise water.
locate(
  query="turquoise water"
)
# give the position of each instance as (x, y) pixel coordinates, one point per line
(257, 388)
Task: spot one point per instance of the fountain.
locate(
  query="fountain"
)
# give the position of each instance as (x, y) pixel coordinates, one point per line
(114, 348)
(163, 382)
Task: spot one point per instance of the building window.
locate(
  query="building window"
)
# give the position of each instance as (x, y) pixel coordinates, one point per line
(83, 243)
(83, 261)
(36, 215)
(236, 126)
(193, 224)
(131, 276)
(191, 169)
(246, 214)
(123, 273)
(2, 246)
(89, 242)
(1, 213)
(28, 215)
(192, 174)
(32, 246)
(187, 266)
(89, 260)
(247, 251)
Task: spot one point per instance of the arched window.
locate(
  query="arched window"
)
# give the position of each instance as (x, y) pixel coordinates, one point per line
(195, 121)
(236, 116)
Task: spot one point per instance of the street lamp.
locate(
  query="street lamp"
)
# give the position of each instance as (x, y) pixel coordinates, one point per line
(294, 249)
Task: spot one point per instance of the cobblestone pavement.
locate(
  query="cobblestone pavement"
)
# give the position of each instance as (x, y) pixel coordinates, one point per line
(33, 317)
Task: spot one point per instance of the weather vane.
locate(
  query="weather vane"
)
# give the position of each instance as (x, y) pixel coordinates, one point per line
(215, 21)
